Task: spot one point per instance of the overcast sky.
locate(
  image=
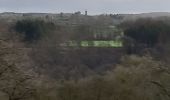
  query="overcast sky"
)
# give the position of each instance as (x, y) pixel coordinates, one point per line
(92, 6)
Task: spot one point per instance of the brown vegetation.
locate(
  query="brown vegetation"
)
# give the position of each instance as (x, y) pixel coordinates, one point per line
(44, 70)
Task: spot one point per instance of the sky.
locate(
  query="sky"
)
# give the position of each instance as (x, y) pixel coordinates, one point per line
(92, 6)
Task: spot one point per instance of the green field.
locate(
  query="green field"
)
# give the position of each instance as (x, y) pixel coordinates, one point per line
(111, 43)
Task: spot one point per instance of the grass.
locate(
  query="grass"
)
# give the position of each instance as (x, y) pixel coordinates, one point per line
(96, 43)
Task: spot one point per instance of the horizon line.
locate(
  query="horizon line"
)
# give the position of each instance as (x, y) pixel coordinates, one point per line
(22, 12)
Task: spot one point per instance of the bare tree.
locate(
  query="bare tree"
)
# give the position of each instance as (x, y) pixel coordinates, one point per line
(13, 82)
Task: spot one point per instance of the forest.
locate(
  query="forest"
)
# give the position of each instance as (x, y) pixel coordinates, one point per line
(85, 58)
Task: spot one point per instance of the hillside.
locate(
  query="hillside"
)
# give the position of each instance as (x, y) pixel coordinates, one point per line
(145, 15)
(69, 56)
